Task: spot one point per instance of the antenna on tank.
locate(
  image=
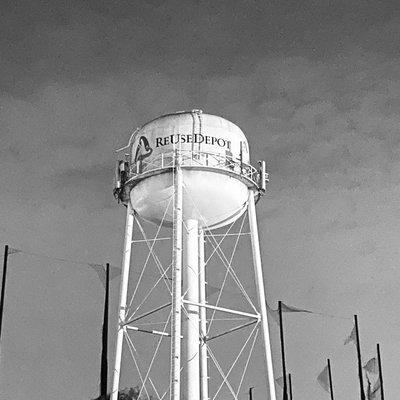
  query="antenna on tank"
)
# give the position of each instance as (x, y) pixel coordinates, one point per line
(264, 177)
(129, 142)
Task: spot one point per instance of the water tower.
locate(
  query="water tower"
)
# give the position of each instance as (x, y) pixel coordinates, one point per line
(191, 172)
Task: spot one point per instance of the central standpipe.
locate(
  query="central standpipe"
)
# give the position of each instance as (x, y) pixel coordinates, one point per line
(191, 320)
(176, 282)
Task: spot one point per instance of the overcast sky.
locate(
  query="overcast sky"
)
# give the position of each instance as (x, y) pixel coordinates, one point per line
(315, 85)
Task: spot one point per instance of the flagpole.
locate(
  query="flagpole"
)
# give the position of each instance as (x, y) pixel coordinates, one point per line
(380, 370)
(104, 350)
(330, 378)
(290, 387)
(285, 395)
(251, 393)
(3, 286)
(360, 370)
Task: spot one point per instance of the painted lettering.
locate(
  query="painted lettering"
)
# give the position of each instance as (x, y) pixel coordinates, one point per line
(174, 141)
(196, 138)
(221, 142)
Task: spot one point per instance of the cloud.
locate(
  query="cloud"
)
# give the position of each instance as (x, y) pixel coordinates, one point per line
(314, 86)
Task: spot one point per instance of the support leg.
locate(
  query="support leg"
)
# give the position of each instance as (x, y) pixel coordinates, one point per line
(255, 245)
(203, 320)
(126, 258)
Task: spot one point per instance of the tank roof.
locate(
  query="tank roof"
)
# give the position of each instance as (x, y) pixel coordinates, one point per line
(194, 111)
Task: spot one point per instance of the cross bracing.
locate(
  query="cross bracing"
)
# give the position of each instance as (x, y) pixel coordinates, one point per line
(148, 317)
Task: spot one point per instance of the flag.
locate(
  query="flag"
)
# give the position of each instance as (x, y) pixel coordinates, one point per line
(323, 379)
(352, 337)
(369, 391)
(279, 381)
(285, 308)
(273, 313)
(372, 366)
(13, 251)
(374, 393)
(101, 272)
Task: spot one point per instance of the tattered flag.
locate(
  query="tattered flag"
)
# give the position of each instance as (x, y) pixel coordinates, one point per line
(369, 390)
(11, 250)
(286, 309)
(101, 272)
(280, 382)
(273, 313)
(323, 379)
(352, 337)
(372, 366)
(374, 393)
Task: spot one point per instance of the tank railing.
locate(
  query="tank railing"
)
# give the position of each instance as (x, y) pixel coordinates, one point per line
(194, 158)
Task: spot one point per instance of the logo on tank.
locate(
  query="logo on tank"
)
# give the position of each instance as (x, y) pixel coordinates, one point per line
(143, 149)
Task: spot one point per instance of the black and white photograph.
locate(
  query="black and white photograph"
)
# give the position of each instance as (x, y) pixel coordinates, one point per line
(199, 199)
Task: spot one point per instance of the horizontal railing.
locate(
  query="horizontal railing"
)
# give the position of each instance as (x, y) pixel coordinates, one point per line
(193, 158)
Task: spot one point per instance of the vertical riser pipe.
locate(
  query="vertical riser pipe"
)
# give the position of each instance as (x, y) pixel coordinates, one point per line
(191, 320)
(176, 283)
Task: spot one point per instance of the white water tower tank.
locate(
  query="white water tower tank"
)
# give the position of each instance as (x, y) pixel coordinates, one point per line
(190, 170)
(214, 157)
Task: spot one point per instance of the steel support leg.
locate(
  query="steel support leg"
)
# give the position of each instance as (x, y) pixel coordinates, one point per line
(126, 259)
(255, 245)
(203, 320)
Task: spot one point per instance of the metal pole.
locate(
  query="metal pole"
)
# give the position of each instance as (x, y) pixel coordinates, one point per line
(191, 320)
(261, 293)
(290, 387)
(360, 369)
(251, 393)
(380, 370)
(126, 258)
(176, 282)
(203, 320)
(330, 379)
(3, 286)
(104, 348)
(285, 394)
